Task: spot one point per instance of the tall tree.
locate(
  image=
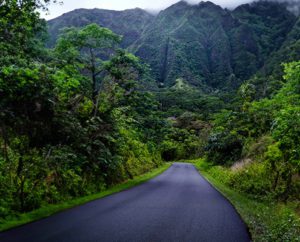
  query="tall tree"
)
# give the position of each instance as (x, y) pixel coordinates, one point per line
(89, 48)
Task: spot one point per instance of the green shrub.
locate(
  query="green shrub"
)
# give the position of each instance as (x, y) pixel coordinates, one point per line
(252, 179)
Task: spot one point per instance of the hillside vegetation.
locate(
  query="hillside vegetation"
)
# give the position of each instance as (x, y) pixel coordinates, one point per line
(74, 119)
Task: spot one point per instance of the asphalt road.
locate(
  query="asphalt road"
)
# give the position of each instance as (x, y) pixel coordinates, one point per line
(179, 205)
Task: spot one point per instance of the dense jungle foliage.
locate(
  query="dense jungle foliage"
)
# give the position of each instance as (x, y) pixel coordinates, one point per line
(74, 118)
(78, 113)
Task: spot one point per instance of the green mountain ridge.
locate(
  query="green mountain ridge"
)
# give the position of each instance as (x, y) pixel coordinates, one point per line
(128, 23)
(204, 44)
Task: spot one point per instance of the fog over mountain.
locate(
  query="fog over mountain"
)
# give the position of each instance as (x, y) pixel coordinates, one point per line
(293, 5)
(225, 3)
(152, 6)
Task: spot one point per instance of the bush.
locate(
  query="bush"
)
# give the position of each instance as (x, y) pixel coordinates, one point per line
(252, 179)
(224, 148)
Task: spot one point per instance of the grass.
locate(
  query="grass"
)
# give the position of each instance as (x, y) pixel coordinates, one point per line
(266, 220)
(48, 210)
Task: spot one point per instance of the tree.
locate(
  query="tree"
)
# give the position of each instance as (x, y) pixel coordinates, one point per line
(21, 30)
(286, 132)
(87, 48)
(286, 125)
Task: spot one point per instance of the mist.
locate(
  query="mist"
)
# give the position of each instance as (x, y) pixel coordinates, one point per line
(293, 5)
(153, 6)
(224, 3)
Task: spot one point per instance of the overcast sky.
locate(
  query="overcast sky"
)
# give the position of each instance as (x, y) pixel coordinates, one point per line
(68, 5)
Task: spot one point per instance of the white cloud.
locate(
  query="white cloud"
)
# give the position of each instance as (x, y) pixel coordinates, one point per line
(224, 3)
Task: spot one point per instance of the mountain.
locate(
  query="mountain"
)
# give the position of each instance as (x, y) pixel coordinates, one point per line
(210, 46)
(289, 50)
(269, 78)
(128, 23)
(207, 46)
(188, 42)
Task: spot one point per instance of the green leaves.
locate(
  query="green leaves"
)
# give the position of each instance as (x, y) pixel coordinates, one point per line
(93, 36)
(26, 84)
(82, 52)
(286, 130)
(19, 27)
(86, 45)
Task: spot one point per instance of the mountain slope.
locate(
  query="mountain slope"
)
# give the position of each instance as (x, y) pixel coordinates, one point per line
(208, 45)
(129, 23)
(187, 42)
(205, 45)
(289, 51)
(269, 79)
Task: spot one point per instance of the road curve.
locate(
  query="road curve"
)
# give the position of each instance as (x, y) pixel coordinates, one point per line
(179, 205)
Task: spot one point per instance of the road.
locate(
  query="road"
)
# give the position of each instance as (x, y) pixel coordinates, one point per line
(179, 205)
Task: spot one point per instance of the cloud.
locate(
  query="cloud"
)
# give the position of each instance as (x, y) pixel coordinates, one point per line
(152, 6)
(293, 4)
(223, 3)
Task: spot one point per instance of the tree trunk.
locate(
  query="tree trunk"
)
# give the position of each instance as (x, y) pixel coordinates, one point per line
(5, 146)
(20, 190)
(21, 196)
(285, 194)
(94, 83)
(275, 183)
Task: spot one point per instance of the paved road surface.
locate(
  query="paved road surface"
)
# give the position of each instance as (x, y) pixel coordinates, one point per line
(178, 205)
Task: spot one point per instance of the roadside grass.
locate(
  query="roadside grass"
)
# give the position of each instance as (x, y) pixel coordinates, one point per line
(48, 210)
(266, 220)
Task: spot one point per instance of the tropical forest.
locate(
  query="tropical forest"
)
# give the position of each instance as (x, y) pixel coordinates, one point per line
(95, 102)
